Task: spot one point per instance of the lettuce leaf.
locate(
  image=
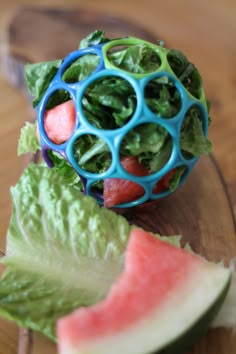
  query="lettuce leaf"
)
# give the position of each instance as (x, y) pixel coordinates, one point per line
(94, 38)
(110, 101)
(92, 153)
(144, 138)
(192, 140)
(186, 71)
(162, 97)
(39, 76)
(28, 141)
(63, 251)
(64, 168)
(81, 68)
(138, 59)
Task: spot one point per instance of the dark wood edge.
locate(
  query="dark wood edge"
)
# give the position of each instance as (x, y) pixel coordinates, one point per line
(226, 191)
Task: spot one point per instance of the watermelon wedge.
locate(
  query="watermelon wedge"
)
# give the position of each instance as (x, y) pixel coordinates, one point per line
(164, 300)
(59, 122)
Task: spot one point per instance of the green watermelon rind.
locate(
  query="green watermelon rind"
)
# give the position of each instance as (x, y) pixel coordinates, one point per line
(184, 341)
(187, 339)
(197, 298)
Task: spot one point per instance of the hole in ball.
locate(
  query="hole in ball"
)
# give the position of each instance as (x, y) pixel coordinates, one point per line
(162, 97)
(92, 154)
(109, 102)
(59, 117)
(149, 145)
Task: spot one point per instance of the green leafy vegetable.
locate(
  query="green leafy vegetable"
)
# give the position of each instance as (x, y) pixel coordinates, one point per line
(28, 141)
(162, 97)
(92, 153)
(110, 101)
(94, 38)
(63, 167)
(139, 59)
(186, 72)
(63, 251)
(159, 158)
(81, 68)
(147, 137)
(174, 181)
(192, 140)
(59, 96)
(147, 141)
(39, 76)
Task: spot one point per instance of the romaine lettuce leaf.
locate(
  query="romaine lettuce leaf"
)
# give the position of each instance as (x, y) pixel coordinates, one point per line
(146, 138)
(63, 250)
(139, 59)
(94, 38)
(110, 97)
(81, 68)
(162, 97)
(192, 140)
(186, 71)
(175, 180)
(92, 153)
(63, 167)
(39, 76)
(28, 141)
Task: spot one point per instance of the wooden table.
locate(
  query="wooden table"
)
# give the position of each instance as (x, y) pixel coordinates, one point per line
(204, 30)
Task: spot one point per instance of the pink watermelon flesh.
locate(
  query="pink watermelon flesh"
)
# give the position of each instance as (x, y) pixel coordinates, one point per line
(59, 122)
(158, 280)
(118, 190)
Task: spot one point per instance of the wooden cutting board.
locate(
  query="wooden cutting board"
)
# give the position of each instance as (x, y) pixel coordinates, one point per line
(200, 211)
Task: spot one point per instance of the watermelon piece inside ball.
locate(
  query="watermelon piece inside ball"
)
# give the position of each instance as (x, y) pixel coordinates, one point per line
(59, 122)
(163, 301)
(118, 190)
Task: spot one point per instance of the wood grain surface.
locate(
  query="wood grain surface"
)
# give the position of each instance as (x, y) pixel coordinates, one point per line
(206, 32)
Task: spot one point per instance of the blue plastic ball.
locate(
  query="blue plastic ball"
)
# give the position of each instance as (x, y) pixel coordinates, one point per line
(114, 137)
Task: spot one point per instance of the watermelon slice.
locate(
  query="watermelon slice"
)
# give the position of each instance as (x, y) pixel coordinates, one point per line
(59, 122)
(163, 301)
